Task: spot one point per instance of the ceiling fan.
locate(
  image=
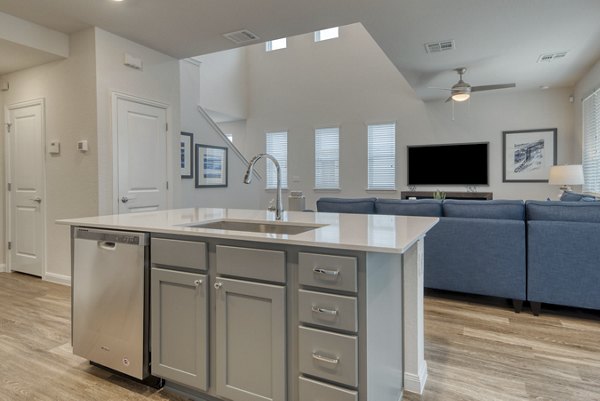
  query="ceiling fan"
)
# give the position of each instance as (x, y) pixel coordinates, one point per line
(461, 90)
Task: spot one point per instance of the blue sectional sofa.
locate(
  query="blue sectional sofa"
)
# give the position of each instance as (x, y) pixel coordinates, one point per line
(540, 251)
(563, 253)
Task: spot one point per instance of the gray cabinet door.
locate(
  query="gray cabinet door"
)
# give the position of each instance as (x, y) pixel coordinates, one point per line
(250, 341)
(179, 327)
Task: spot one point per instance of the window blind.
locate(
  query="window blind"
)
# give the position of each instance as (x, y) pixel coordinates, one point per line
(327, 158)
(591, 143)
(277, 147)
(382, 156)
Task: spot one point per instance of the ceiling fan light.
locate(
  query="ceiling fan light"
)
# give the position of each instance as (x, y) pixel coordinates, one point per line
(460, 97)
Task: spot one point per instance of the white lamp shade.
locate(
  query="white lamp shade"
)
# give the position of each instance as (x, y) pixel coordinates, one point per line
(571, 174)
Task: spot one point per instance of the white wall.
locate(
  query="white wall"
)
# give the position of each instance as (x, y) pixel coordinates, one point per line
(224, 84)
(158, 81)
(346, 82)
(484, 119)
(349, 82)
(68, 88)
(237, 129)
(236, 194)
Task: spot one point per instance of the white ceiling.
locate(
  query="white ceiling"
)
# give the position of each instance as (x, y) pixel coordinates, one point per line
(499, 41)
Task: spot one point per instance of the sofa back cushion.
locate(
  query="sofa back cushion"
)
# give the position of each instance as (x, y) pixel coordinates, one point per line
(586, 212)
(346, 205)
(484, 209)
(419, 207)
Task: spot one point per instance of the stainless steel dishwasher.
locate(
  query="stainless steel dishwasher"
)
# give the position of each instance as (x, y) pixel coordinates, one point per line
(110, 302)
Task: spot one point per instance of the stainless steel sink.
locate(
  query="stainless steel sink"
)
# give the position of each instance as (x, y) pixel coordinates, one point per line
(258, 226)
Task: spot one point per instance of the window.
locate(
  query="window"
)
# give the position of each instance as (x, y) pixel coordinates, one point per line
(327, 158)
(276, 44)
(277, 147)
(382, 156)
(591, 143)
(325, 34)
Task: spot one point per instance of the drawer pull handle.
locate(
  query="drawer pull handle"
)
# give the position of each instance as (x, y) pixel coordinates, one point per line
(321, 358)
(327, 272)
(317, 309)
(197, 282)
(218, 285)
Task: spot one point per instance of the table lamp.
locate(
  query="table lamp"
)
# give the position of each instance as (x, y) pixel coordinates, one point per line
(566, 175)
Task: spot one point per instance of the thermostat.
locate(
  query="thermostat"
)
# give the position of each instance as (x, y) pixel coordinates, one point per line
(54, 148)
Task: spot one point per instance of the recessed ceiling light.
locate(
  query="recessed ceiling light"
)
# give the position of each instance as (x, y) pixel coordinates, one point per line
(118, 1)
(544, 87)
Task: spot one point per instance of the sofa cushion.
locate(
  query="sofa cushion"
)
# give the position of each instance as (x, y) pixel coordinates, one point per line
(418, 207)
(570, 196)
(587, 212)
(484, 209)
(346, 205)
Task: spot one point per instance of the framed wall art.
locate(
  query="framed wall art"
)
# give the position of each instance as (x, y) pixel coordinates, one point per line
(527, 155)
(211, 166)
(186, 155)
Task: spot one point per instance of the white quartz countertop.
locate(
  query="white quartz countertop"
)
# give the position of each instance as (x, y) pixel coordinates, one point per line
(359, 232)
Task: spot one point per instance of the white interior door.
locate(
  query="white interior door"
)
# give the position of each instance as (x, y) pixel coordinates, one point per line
(142, 156)
(26, 213)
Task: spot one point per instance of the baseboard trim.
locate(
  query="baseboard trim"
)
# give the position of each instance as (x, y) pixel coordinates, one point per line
(2, 267)
(58, 278)
(414, 383)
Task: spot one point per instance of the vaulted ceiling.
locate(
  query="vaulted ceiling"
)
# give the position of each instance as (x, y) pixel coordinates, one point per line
(498, 41)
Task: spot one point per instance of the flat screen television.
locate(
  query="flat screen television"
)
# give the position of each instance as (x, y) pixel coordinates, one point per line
(451, 164)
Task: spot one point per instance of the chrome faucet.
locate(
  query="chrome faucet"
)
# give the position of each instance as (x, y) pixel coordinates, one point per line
(248, 179)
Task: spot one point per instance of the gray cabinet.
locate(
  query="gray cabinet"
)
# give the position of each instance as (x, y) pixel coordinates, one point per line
(250, 340)
(179, 327)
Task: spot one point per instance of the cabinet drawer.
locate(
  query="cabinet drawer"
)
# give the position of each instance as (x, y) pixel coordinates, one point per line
(178, 253)
(330, 356)
(311, 390)
(260, 264)
(328, 271)
(327, 310)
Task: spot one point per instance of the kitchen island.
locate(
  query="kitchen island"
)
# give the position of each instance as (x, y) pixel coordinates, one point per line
(316, 306)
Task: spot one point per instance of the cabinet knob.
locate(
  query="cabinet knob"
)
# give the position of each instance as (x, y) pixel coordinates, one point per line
(197, 282)
(218, 285)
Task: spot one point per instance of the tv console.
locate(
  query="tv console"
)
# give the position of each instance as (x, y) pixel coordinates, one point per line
(449, 195)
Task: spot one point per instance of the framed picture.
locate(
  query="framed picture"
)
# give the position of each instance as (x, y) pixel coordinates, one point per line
(186, 154)
(527, 155)
(211, 166)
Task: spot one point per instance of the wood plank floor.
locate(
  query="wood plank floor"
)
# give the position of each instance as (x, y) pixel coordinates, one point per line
(477, 349)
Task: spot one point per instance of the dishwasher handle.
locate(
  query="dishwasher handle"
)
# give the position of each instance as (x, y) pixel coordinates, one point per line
(107, 245)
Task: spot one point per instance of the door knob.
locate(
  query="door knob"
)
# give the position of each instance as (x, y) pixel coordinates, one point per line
(37, 199)
(124, 199)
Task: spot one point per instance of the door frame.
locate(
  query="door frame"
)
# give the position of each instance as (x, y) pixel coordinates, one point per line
(8, 175)
(115, 97)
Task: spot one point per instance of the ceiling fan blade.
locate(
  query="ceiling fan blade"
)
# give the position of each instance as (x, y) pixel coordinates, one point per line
(491, 87)
(447, 100)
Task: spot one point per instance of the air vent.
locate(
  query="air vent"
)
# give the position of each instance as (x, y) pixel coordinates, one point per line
(436, 47)
(241, 37)
(546, 58)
